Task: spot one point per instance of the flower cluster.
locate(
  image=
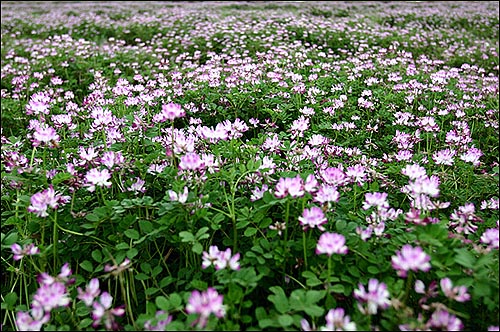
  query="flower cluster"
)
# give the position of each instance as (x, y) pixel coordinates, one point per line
(204, 304)
(220, 259)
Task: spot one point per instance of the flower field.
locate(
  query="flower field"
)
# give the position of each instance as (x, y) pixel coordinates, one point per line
(250, 166)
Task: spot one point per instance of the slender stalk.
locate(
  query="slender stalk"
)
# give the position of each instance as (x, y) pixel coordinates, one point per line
(304, 247)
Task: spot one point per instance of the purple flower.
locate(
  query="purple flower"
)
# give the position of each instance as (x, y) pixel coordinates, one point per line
(181, 197)
(442, 320)
(472, 155)
(376, 297)
(490, 238)
(356, 174)
(91, 292)
(162, 320)
(220, 259)
(313, 217)
(50, 296)
(336, 320)
(375, 199)
(327, 193)
(444, 157)
(63, 276)
(169, 111)
(95, 177)
(331, 243)
(463, 219)
(289, 186)
(204, 304)
(27, 250)
(191, 161)
(102, 312)
(410, 258)
(414, 171)
(46, 135)
(33, 320)
(41, 201)
(457, 293)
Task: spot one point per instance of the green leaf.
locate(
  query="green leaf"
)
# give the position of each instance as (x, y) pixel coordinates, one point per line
(61, 177)
(464, 258)
(250, 231)
(87, 266)
(481, 289)
(141, 276)
(285, 320)
(311, 279)
(97, 256)
(145, 226)
(10, 300)
(337, 288)
(10, 239)
(132, 234)
(132, 252)
(162, 303)
(175, 300)
(197, 248)
(314, 311)
(340, 225)
(187, 236)
(279, 299)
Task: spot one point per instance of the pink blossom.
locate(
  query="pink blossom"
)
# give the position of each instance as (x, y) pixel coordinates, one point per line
(331, 243)
(204, 304)
(410, 258)
(313, 217)
(376, 297)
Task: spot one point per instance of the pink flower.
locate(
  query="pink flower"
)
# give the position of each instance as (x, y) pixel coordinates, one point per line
(162, 320)
(91, 292)
(414, 171)
(95, 177)
(169, 111)
(180, 197)
(442, 320)
(331, 243)
(313, 217)
(376, 297)
(33, 320)
(327, 193)
(336, 320)
(457, 293)
(103, 313)
(50, 296)
(289, 186)
(410, 258)
(41, 201)
(220, 259)
(490, 237)
(375, 199)
(27, 250)
(191, 161)
(47, 135)
(444, 157)
(463, 220)
(204, 304)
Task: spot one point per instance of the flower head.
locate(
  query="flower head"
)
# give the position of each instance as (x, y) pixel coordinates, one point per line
(27, 250)
(98, 178)
(313, 217)
(376, 297)
(331, 243)
(410, 258)
(204, 304)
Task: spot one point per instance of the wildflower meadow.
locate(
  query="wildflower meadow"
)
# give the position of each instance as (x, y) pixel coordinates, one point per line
(250, 166)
